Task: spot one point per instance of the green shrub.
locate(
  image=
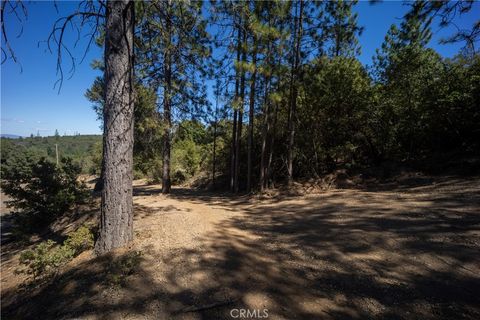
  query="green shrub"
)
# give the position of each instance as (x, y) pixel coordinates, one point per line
(80, 240)
(96, 154)
(45, 259)
(155, 171)
(42, 189)
(179, 176)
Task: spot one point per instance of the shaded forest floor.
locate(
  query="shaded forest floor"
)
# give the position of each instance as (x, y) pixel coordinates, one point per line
(393, 252)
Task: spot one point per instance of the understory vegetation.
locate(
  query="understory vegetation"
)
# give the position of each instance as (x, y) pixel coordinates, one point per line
(80, 148)
(45, 259)
(290, 98)
(41, 190)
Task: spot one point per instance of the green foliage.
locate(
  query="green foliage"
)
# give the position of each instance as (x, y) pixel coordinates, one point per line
(42, 189)
(411, 104)
(27, 150)
(426, 103)
(340, 29)
(45, 258)
(186, 159)
(147, 129)
(333, 111)
(96, 153)
(80, 240)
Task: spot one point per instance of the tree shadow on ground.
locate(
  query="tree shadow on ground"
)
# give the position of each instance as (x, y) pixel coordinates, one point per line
(340, 255)
(383, 255)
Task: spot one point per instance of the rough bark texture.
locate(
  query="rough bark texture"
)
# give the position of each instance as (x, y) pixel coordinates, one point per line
(116, 223)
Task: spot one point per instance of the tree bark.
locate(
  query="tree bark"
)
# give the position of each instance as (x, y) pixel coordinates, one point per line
(237, 145)
(214, 142)
(273, 127)
(266, 123)
(294, 91)
(240, 113)
(116, 223)
(233, 150)
(233, 164)
(265, 132)
(251, 116)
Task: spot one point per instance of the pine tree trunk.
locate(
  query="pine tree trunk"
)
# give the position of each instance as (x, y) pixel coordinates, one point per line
(294, 91)
(167, 113)
(273, 126)
(233, 165)
(265, 131)
(251, 115)
(214, 143)
(240, 115)
(237, 147)
(232, 152)
(266, 124)
(116, 223)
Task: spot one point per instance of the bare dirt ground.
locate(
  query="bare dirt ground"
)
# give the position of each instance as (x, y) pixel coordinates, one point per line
(396, 252)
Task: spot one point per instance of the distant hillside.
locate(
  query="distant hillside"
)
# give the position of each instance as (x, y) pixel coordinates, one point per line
(9, 136)
(81, 148)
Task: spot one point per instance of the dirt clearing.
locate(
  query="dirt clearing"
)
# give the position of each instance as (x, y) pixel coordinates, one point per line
(396, 253)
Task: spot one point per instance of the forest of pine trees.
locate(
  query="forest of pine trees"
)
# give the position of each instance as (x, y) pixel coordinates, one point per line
(253, 163)
(261, 93)
(289, 98)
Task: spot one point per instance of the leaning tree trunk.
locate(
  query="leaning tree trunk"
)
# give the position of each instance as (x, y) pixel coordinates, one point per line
(116, 223)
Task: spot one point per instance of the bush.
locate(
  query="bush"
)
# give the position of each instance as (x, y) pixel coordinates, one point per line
(45, 259)
(42, 189)
(179, 176)
(80, 240)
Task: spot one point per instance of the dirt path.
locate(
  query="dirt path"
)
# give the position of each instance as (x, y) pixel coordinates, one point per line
(390, 254)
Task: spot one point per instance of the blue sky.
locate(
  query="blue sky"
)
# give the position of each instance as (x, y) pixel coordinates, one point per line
(31, 104)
